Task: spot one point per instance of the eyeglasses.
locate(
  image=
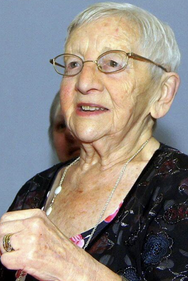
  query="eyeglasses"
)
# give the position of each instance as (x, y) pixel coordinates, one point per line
(108, 62)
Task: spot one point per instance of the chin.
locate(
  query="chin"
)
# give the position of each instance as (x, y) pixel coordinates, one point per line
(89, 139)
(86, 133)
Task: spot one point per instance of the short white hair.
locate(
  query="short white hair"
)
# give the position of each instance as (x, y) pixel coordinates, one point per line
(157, 40)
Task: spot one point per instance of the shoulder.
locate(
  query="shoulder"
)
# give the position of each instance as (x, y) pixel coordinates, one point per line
(33, 193)
(40, 178)
(170, 160)
(164, 180)
(167, 168)
(171, 151)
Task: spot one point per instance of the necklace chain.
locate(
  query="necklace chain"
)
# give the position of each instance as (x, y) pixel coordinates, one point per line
(59, 188)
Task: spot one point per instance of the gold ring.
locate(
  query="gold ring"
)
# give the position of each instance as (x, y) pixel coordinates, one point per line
(7, 244)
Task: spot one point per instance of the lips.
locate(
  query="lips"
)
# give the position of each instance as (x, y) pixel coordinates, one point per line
(91, 108)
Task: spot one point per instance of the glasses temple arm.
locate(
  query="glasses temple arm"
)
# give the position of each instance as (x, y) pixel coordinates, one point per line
(137, 57)
(52, 61)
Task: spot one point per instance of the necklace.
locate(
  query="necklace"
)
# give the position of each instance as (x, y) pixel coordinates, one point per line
(22, 275)
(59, 188)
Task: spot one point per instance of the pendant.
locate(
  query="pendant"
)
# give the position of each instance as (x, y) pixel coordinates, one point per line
(58, 190)
(48, 211)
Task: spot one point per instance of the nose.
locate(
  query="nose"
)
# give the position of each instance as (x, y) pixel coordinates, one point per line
(90, 78)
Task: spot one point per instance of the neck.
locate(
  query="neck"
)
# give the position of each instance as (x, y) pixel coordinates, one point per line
(112, 155)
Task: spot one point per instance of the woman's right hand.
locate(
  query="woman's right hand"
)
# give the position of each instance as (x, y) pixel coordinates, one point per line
(40, 249)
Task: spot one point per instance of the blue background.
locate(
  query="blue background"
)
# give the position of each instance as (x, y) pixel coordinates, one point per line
(32, 32)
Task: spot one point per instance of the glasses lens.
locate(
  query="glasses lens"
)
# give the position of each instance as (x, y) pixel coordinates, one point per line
(112, 61)
(68, 65)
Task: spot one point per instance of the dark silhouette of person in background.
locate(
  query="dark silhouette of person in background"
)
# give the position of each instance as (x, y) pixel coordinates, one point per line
(63, 143)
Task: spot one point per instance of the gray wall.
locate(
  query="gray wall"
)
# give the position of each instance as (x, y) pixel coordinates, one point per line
(32, 32)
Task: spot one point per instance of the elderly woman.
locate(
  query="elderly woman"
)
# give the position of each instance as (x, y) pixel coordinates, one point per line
(119, 211)
(62, 142)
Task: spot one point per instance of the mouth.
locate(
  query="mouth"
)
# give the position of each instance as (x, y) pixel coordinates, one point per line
(91, 108)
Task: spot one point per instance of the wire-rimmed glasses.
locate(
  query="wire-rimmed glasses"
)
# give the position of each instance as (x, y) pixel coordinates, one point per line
(109, 62)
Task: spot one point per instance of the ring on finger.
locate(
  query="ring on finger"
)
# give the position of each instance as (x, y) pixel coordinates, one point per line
(7, 244)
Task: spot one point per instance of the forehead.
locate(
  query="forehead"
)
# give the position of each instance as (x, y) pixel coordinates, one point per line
(103, 34)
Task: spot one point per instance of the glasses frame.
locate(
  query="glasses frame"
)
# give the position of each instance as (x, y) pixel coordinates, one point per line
(129, 55)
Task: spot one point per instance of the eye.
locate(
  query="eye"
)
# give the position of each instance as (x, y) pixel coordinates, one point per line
(73, 65)
(112, 61)
(110, 64)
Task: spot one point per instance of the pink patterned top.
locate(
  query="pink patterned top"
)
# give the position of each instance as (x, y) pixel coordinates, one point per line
(81, 239)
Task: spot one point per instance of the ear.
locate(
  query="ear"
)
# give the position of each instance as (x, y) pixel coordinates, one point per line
(167, 90)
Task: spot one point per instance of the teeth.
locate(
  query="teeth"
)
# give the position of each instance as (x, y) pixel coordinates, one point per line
(91, 108)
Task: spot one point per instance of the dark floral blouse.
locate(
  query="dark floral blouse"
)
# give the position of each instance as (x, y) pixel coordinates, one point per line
(148, 238)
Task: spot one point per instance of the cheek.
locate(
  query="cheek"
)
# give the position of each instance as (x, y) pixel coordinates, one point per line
(123, 94)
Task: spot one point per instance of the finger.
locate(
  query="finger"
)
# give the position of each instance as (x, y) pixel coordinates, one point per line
(20, 241)
(17, 220)
(15, 241)
(5, 244)
(11, 227)
(21, 214)
(16, 260)
(12, 260)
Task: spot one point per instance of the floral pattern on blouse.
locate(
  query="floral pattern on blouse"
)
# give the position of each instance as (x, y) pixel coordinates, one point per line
(176, 213)
(78, 240)
(156, 248)
(130, 274)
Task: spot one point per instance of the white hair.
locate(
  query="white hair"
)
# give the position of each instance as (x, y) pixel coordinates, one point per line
(157, 40)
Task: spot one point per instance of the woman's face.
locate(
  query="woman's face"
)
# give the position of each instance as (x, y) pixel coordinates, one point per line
(65, 145)
(97, 105)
